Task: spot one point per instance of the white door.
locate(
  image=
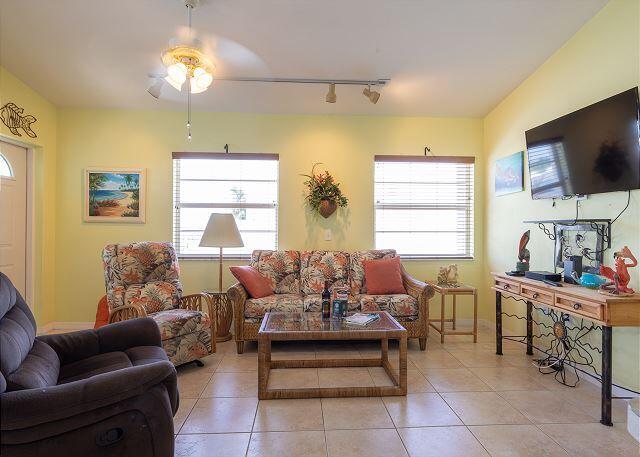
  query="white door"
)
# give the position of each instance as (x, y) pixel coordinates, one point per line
(13, 214)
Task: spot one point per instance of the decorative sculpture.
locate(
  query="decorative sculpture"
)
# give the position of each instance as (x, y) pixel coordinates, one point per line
(11, 115)
(448, 276)
(620, 277)
(523, 253)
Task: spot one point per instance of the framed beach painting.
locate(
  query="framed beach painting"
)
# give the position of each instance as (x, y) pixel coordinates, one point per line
(510, 174)
(114, 195)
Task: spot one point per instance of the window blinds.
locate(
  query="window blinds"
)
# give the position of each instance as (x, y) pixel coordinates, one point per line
(245, 185)
(424, 205)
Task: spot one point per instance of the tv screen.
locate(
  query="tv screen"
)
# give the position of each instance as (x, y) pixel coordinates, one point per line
(595, 149)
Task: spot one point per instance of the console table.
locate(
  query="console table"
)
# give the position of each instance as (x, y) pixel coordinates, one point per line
(605, 310)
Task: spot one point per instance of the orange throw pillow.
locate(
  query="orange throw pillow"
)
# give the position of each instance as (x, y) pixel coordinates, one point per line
(102, 313)
(257, 285)
(383, 276)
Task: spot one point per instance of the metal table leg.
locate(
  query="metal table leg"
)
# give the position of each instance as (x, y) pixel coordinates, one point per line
(529, 328)
(607, 336)
(498, 323)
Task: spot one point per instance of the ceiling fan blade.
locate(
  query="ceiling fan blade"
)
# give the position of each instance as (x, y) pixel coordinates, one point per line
(227, 55)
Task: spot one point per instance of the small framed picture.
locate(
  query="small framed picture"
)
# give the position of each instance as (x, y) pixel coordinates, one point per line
(115, 195)
(510, 174)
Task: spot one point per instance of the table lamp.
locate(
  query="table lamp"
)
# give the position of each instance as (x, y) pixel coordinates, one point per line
(221, 232)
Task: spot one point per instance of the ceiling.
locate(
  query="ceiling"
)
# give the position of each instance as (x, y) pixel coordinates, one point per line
(444, 57)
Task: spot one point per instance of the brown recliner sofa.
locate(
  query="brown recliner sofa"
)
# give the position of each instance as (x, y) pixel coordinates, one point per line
(105, 392)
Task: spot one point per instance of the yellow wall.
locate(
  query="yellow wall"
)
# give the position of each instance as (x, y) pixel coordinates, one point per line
(345, 144)
(44, 151)
(601, 60)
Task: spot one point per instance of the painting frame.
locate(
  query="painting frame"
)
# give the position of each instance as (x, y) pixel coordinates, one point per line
(115, 187)
(509, 174)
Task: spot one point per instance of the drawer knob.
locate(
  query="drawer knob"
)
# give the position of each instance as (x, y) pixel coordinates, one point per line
(505, 287)
(577, 306)
(536, 295)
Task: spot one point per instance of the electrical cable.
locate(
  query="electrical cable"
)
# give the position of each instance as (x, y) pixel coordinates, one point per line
(625, 208)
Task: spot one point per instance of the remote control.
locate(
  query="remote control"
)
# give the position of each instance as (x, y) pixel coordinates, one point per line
(552, 283)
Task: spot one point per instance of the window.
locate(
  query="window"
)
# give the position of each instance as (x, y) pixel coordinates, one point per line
(243, 184)
(424, 205)
(5, 168)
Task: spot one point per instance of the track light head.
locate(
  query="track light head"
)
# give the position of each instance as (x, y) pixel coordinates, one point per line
(372, 95)
(331, 95)
(156, 87)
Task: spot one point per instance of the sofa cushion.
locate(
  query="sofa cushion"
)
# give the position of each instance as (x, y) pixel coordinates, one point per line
(39, 369)
(356, 268)
(316, 267)
(257, 285)
(398, 305)
(153, 296)
(384, 276)
(257, 307)
(281, 268)
(94, 365)
(313, 303)
(178, 322)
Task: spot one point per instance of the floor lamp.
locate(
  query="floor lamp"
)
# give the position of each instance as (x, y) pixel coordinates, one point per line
(222, 232)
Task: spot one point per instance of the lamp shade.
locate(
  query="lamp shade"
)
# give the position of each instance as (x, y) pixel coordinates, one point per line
(221, 232)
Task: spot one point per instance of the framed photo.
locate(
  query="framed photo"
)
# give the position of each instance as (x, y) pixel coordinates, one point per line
(114, 195)
(510, 174)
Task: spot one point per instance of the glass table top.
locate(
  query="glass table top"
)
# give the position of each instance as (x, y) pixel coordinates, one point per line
(313, 322)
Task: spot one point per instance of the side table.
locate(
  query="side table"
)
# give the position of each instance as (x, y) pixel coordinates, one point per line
(444, 290)
(224, 314)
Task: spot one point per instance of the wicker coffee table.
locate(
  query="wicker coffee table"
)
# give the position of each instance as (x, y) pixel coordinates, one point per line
(310, 326)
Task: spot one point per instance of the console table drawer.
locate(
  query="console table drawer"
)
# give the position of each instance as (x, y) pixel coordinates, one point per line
(534, 293)
(507, 285)
(579, 306)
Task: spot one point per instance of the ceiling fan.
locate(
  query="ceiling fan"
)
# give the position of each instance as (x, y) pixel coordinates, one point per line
(190, 62)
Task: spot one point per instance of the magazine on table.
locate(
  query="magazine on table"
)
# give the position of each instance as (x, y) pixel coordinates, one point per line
(362, 318)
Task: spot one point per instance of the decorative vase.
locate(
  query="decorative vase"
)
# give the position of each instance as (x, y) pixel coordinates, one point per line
(327, 207)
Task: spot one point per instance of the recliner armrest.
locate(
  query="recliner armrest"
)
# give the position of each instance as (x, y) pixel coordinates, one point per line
(120, 336)
(31, 407)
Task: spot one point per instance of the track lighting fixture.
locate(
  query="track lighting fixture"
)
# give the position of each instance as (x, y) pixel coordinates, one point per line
(372, 95)
(331, 95)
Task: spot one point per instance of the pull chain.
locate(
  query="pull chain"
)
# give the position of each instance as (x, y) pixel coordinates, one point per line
(189, 110)
(189, 8)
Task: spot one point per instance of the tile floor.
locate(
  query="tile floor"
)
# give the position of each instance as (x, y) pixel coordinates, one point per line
(463, 401)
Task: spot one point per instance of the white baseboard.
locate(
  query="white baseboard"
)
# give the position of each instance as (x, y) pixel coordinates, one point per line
(61, 327)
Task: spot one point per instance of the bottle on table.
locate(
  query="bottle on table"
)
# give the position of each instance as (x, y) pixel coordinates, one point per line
(326, 301)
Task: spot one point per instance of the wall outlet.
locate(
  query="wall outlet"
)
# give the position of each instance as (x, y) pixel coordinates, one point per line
(328, 235)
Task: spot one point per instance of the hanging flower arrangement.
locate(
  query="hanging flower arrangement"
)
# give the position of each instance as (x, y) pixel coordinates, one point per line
(323, 193)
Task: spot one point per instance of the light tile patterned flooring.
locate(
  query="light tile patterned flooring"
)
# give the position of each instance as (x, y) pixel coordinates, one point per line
(463, 401)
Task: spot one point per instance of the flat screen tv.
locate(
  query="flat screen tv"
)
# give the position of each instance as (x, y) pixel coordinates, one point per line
(593, 150)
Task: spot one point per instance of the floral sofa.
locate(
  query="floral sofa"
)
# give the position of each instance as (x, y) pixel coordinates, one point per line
(142, 279)
(297, 278)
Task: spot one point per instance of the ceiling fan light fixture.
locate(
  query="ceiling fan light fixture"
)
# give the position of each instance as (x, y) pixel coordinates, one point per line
(177, 73)
(331, 95)
(156, 87)
(200, 80)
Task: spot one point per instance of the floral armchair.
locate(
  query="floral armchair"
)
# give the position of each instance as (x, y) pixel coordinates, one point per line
(142, 279)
